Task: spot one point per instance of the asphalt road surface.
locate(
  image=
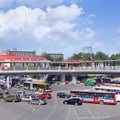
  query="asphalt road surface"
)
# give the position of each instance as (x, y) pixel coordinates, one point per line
(56, 110)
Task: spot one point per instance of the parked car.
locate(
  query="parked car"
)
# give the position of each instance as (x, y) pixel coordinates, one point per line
(3, 87)
(63, 95)
(45, 95)
(38, 101)
(39, 92)
(73, 101)
(49, 90)
(27, 98)
(20, 93)
(17, 85)
(12, 98)
(1, 95)
(90, 82)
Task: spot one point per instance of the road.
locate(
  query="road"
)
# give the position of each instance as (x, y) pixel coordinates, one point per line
(56, 110)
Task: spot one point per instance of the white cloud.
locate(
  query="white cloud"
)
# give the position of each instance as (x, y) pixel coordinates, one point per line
(51, 27)
(8, 4)
(65, 13)
(87, 34)
(92, 15)
(118, 30)
(5, 3)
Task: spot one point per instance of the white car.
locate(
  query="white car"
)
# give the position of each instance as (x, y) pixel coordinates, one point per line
(27, 98)
(39, 92)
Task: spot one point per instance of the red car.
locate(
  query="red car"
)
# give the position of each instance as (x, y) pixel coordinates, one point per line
(44, 95)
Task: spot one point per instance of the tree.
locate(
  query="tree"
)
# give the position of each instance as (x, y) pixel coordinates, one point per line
(48, 57)
(115, 56)
(84, 56)
(77, 56)
(101, 56)
(52, 58)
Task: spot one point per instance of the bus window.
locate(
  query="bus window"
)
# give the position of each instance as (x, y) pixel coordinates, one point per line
(108, 96)
(39, 86)
(27, 85)
(91, 95)
(117, 91)
(101, 96)
(81, 94)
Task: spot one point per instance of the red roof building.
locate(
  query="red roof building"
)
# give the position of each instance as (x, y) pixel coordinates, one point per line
(6, 58)
(12, 57)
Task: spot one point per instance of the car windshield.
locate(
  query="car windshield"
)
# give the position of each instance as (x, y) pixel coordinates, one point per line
(35, 99)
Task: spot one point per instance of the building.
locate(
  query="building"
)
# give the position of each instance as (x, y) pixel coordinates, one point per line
(54, 55)
(8, 56)
(87, 49)
(20, 53)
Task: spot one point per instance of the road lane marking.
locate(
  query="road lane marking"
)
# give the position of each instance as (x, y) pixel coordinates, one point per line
(92, 117)
(48, 117)
(75, 113)
(33, 112)
(23, 113)
(69, 112)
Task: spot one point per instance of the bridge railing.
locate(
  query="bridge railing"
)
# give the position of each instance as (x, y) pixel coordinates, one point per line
(85, 65)
(66, 68)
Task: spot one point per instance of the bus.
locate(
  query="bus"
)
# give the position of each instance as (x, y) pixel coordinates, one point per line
(36, 85)
(95, 96)
(109, 89)
(113, 84)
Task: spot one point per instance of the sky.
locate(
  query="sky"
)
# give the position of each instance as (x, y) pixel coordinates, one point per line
(60, 26)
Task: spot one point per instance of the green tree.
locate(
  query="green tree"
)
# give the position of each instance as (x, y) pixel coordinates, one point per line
(52, 58)
(115, 56)
(84, 56)
(101, 56)
(48, 57)
(77, 56)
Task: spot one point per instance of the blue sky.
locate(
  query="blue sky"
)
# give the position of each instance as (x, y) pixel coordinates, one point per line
(60, 26)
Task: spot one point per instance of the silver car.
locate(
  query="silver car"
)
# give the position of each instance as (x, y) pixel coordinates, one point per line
(38, 101)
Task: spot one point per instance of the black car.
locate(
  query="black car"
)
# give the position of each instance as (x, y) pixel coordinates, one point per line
(73, 101)
(1, 95)
(2, 86)
(63, 95)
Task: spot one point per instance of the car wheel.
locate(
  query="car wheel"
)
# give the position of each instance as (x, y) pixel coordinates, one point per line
(65, 103)
(101, 102)
(13, 101)
(76, 103)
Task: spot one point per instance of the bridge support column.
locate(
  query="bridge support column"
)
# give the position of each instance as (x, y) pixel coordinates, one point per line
(7, 82)
(23, 66)
(63, 78)
(27, 66)
(45, 77)
(14, 66)
(74, 79)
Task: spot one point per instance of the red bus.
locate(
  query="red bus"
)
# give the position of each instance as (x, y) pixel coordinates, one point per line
(111, 84)
(95, 96)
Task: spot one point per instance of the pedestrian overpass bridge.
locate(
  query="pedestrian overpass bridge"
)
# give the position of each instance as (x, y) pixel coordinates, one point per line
(48, 67)
(59, 72)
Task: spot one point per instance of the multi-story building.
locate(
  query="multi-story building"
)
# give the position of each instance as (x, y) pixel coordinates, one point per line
(20, 53)
(54, 55)
(14, 55)
(87, 49)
